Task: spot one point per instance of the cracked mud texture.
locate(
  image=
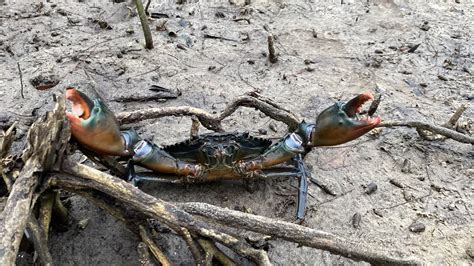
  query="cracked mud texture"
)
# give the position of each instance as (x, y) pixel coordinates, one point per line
(419, 55)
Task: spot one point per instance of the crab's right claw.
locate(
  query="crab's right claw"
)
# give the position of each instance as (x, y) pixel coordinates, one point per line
(95, 127)
(343, 122)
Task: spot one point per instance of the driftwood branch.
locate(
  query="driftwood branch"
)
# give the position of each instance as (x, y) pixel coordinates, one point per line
(45, 141)
(46, 202)
(449, 133)
(213, 122)
(158, 209)
(296, 233)
(211, 251)
(155, 250)
(82, 177)
(38, 237)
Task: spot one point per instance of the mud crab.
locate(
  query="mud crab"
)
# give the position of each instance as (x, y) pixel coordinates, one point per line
(218, 156)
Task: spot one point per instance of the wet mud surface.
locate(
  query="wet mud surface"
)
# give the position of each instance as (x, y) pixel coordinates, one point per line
(418, 55)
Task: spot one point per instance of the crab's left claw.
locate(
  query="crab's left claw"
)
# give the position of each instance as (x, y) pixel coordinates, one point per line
(94, 126)
(342, 122)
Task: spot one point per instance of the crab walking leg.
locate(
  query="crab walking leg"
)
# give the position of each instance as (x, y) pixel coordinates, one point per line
(153, 158)
(302, 187)
(291, 145)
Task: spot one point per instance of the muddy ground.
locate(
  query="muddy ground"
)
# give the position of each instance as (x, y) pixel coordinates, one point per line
(327, 51)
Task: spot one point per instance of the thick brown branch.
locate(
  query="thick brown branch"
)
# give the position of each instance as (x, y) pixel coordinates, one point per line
(173, 216)
(46, 139)
(186, 235)
(296, 233)
(214, 252)
(38, 237)
(155, 250)
(210, 121)
(429, 127)
(270, 110)
(155, 208)
(206, 119)
(46, 210)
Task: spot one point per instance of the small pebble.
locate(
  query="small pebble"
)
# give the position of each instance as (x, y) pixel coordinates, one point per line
(82, 224)
(273, 127)
(356, 218)
(452, 206)
(417, 227)
(425, 26)
(408, 196)
(371, 188)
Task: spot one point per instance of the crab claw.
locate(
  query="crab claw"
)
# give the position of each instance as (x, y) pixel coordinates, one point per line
(94, 126)
(342, 122)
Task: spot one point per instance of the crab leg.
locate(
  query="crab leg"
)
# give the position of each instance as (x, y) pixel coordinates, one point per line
(280, 152)
(153, 158)
(302, 187)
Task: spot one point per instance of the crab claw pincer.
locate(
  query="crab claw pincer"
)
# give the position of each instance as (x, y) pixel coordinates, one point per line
(343, 122)
(94, 126)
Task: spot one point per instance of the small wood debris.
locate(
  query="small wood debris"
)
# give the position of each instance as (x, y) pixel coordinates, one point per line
(417, 227)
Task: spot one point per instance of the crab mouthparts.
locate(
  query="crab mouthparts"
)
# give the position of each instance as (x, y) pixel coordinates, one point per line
(353, 109)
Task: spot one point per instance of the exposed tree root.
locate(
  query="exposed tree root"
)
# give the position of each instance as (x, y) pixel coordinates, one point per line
(213, 122)
(255, 100)
(149, 206)
(38, 237)
(155, 250)
(446, 132)
(295, 233)
(46, 140)
(82, 178)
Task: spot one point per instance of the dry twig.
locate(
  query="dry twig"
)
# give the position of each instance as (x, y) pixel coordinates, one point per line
(295, 233)
(271, 50)
(210, 121)
(432, 128)
(144, 22)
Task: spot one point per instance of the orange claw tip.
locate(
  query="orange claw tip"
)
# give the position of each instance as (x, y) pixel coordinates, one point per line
(366, 96)
(81, 104)
(354, 106)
